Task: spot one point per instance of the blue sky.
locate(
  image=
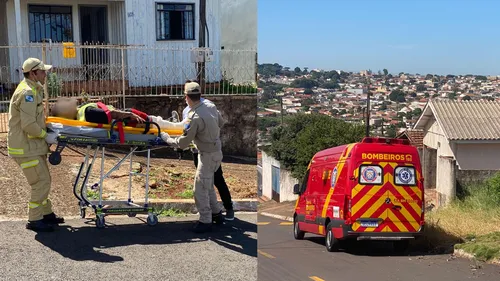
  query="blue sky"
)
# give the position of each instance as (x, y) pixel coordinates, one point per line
(415, 36)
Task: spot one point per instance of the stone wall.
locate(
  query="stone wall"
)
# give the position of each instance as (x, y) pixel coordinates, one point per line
(471, 177)
(238, 136)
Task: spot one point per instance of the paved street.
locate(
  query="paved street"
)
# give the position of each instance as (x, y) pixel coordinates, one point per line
(129, 249)
(281, 257)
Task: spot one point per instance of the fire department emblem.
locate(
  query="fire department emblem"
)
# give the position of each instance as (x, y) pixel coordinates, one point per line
(334, 177)
(405, 175)
(369, 174)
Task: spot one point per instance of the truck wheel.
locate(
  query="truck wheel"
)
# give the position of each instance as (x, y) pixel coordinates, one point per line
(297, 233)
(331, 243)
(400, 246)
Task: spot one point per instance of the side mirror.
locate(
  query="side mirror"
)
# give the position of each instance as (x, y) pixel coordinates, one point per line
(296, 189)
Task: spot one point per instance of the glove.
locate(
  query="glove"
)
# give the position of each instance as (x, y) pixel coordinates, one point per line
(166, 138)
(51, 138)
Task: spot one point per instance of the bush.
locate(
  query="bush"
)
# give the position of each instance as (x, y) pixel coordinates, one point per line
(493, 188)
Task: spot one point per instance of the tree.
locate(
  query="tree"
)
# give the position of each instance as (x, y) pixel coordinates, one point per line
(308, 91)
(297, 70)
(303, 135)
(385, 71)
(397, 95)
(304, 83)
(391, 131)
(421, 88)
(330, 85)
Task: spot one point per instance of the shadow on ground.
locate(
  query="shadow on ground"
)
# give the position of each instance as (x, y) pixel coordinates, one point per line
(84, 243)
(434, 241)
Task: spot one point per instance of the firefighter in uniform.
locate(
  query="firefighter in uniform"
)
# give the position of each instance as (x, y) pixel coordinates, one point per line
(27, 143)
(219, 181)
(203, 128)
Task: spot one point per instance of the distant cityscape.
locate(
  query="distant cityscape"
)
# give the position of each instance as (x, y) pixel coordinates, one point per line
(396, 101)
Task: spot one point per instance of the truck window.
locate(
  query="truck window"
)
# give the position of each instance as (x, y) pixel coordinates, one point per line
(370, 174)
(404, 175)
(304, 182)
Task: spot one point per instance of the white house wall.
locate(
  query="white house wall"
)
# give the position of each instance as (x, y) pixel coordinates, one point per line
(239, 32)
(483, 156)
(435, 138)
(445, 180)
(267, 177)
(286, 186)
(167, 62)
(54, 56)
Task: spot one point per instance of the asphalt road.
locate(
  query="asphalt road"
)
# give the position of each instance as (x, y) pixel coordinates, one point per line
(129, 249)
(281, 257)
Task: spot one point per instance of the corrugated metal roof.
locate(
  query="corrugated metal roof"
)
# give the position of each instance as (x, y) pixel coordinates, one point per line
(468, 120)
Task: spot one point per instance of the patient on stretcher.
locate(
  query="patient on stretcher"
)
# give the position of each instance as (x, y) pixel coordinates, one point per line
(105, 114)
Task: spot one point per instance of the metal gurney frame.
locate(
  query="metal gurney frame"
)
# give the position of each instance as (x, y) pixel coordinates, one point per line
(100, 143)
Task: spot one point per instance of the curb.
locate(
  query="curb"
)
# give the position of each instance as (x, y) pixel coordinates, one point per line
(188, 205)
(463, 254)
(279, 217)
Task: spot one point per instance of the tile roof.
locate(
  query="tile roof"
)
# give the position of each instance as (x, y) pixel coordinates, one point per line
(464, 120)
(416, 137)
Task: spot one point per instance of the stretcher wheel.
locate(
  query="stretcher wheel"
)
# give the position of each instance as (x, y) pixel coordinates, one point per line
(82, 213)
(100, 222)
(152, 220)
(55, 158)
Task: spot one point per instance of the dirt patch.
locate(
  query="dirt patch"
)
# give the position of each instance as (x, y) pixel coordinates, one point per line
(169, 179)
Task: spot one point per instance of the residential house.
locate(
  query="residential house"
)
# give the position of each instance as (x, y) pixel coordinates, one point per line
(461, 143)
(160, 38)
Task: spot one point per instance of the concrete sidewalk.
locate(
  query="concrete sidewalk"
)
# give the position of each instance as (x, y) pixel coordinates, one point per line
(273, 209)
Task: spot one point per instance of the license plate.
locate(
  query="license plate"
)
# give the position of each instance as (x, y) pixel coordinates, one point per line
(369, 224)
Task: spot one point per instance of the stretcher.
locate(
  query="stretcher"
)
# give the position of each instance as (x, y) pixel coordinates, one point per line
(97, 137)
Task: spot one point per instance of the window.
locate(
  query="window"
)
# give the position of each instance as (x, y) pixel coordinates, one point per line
(174, 21)
(50, 22)
(304, 182)
(370, 174)
(404, 176)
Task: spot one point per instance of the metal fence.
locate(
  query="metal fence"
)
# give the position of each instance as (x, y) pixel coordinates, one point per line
(113, 72)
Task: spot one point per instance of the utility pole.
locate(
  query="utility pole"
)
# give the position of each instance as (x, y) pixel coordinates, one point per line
(281, 109)
(368, 107)
(201, 43)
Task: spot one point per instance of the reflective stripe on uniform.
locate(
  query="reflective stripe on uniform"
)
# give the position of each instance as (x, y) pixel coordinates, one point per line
(44, 202)
(30, 164)
(15, 151)
(41, 136)
(33, 205)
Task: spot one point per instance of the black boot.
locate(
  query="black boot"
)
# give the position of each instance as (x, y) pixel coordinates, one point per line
(39, 226)
(202, 227)
(229, 214)
(52, 219)
(218, 218)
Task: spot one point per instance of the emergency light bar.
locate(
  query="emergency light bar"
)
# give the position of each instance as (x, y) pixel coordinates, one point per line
(385, 140)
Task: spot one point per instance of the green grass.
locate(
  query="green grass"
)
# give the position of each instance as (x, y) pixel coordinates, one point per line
(484, 247)
(470, 223)
(186, 194)
(93, 195)
(170, 213)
